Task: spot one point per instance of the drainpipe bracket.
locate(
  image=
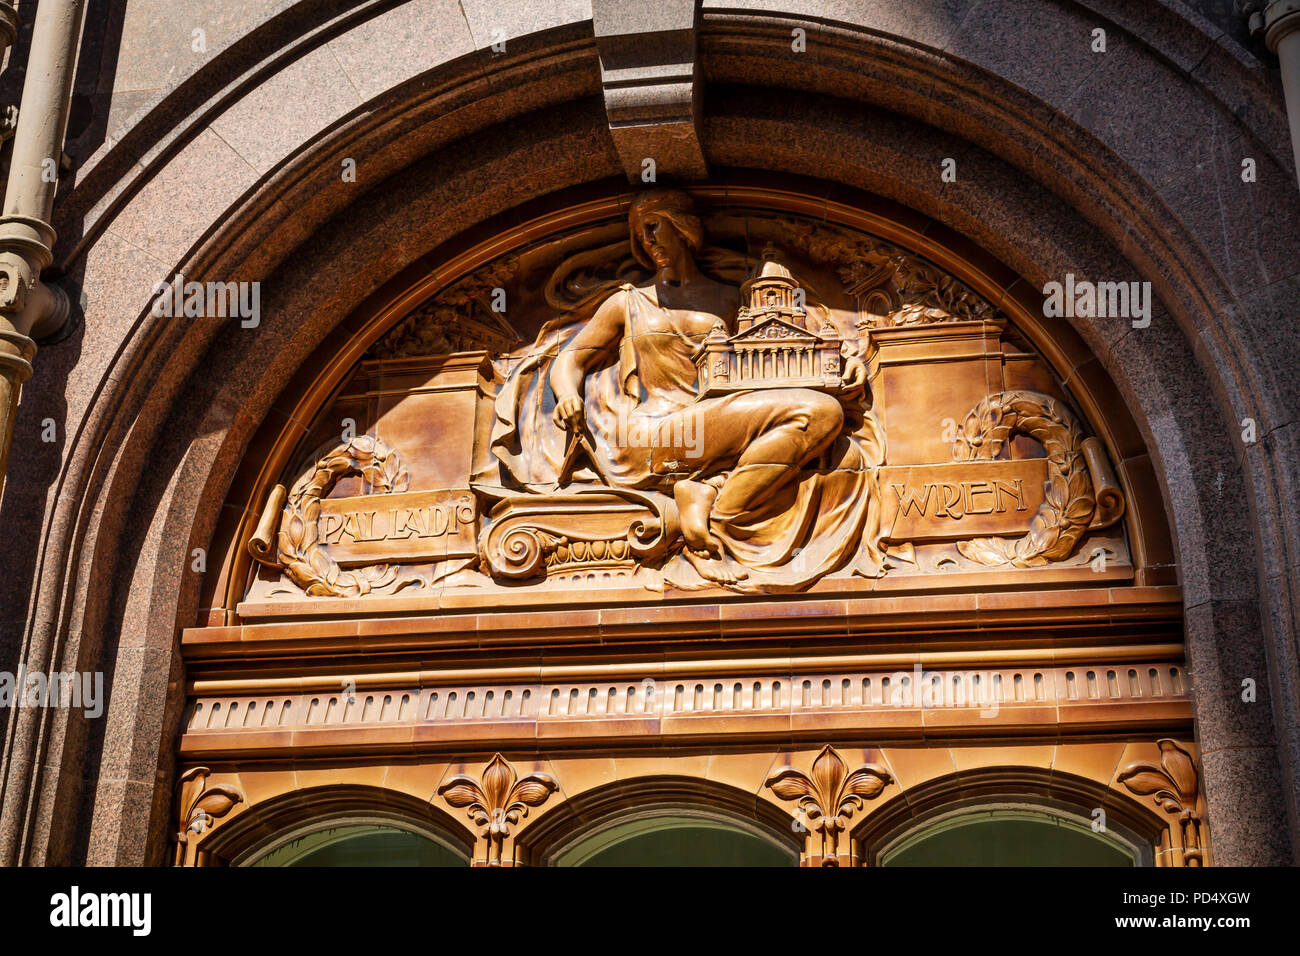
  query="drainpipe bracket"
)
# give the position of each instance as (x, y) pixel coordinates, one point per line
(16, 354)
(1281, 18)
(29, 237)
(56, 319)
(24, 251)
(1270, 20)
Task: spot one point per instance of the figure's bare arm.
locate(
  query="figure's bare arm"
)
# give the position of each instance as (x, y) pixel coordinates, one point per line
(591, 346)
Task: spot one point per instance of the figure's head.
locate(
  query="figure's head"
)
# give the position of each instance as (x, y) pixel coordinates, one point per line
(664, 227)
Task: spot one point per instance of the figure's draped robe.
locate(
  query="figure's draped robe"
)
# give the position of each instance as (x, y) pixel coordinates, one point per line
(650, 430)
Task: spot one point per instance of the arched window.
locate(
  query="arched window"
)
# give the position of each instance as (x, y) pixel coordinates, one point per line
(675, 839)
(662, 821)
(340, 826)
(1011, 833)
(355, 843)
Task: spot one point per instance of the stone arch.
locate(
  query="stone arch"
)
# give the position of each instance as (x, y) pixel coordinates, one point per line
(264, 825)
(924, 802)
(583, 815)
(138, 385)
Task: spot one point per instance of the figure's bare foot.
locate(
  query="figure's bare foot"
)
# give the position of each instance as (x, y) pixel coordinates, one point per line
(715, 569)
(703, 549)
(694, 502)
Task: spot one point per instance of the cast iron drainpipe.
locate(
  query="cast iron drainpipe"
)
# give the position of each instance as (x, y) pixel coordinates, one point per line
(30, 309)
(1277, 23)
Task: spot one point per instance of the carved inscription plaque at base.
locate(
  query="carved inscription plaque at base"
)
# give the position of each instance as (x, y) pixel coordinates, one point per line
(410, 526)
(961, 500)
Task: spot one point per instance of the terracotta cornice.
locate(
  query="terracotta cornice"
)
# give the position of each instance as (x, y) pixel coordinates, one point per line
(685, 668)
(955, 616)
(905, 704)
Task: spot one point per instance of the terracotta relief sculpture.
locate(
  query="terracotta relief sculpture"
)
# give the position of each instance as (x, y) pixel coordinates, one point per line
(496, 804)
(201, 808)
(770, 483)
(298, 552)
(667, 411)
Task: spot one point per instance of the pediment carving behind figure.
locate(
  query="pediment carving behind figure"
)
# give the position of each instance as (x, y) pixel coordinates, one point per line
(687, 401)
(894, 288)
(461, 319)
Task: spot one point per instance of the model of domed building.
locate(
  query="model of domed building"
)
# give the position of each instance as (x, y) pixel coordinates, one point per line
(772, 346)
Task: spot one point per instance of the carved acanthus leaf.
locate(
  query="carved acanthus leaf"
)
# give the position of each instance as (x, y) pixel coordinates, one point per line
(1172, 784)
(1173, 781)
(201, 806)
(896, 287)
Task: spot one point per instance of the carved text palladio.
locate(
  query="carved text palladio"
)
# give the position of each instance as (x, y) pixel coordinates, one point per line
(419, 524)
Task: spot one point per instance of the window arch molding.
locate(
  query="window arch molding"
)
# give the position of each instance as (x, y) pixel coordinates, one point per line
(593, 813)
(347, 820)
(1065, 796)
(1026, 808)
(266, 827)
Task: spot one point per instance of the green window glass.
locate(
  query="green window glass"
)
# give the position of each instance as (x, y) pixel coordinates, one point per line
(1004, 837)
(361, 845)
(676, 841)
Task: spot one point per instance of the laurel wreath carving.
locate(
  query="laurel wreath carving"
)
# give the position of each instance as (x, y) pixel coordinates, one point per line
(301, 555)
(1070, 499)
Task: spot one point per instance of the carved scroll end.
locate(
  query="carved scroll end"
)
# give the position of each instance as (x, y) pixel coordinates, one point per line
(516, 552)
(262, 545)
(1106, 489)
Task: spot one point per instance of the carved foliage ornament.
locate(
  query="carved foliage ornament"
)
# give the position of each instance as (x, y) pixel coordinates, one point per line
(1172, 784)
(499, 801)
(901, 289)
(461, 318)
(300, 554)
(896, 288)
(201, 805)
(829, 796)
(1070, 502)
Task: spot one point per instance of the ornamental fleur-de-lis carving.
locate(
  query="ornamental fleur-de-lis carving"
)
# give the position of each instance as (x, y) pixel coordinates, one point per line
(830, 796)
(499, 802)
(1172, 784)
(200, 806)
